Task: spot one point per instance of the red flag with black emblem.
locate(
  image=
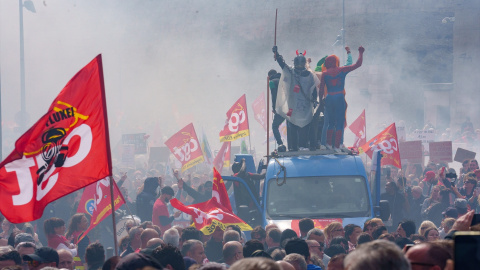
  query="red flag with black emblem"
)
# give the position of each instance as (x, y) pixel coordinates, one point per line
(387, 142)
(215, 212)
(67, 149)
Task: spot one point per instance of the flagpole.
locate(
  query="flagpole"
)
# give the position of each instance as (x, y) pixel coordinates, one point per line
(249, 136)
(113, 216)
(268, 119)
(109, 151)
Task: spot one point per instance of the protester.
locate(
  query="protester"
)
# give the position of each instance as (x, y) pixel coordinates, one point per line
(296, 99)
(78, 224)
(377, 255)
(95, 256)
(335, 105)
(194, 249)
(232, 252)
(43, 257)
(274, 78)
(169, 256)
(55, 231)
(9, 257)
(65, 259)
(160, 214)
(146, 199)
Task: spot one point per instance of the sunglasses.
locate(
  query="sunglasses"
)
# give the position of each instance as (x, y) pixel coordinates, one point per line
(33, 263)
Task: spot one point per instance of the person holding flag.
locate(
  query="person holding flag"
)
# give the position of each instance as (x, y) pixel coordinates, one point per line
(296, 100)
(160, 215)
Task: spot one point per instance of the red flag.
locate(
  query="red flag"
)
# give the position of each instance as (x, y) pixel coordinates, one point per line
(186, 148)
(67, 149)
(236, 126)
(358, 127)
(223, 156)
(97, 203)
(388, 143)
(259, 111)
(215, 212)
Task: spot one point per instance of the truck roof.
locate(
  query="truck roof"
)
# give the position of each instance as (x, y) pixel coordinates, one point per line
(310, 164)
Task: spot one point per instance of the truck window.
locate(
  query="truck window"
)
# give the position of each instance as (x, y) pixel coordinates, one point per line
(318, 197)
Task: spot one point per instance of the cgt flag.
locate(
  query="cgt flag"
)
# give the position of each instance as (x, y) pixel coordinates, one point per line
(96, 202)
(259, 111)
(223, 156)
(184, 145)
(236, 126)
(358, 127)
(387, 142)
(215, 212)
(66, 149)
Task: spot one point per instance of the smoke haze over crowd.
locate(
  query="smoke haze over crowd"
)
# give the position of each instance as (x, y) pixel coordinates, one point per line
(169, 63)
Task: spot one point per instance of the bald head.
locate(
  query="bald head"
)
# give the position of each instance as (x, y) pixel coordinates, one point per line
(232, 252)
(285, 265)
(146, 235)
(154, 242)
(65, 259)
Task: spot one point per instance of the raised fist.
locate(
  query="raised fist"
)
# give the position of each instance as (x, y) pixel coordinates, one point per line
(361, 49)
(275, 49)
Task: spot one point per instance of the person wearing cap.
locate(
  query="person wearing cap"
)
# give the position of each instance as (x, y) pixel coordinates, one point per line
(428, 182)
(160, 215)
(44, 256)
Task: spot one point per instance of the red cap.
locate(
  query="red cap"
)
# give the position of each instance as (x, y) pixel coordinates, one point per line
(429, 175)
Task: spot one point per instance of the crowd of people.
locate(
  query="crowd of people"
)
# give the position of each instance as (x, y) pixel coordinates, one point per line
(425, 215)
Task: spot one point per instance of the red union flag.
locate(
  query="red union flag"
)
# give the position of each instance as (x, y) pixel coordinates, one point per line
(215, 212)
(97, 203)
(186, 148)
(67, 149)
(388, 143)
(358, 127)
(223, 156)
(259, 111)
(236, 126)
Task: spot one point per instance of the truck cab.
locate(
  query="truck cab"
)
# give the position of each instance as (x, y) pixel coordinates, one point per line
(323, 187)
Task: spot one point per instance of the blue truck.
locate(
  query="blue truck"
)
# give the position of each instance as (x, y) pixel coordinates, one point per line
(323, 187)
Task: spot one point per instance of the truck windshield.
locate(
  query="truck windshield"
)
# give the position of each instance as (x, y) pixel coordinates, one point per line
(318, 197)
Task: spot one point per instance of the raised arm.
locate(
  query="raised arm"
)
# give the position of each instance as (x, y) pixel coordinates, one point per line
(357, 64)
(278, 57)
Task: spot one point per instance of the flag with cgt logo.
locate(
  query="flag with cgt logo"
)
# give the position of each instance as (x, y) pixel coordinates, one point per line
(215, 212)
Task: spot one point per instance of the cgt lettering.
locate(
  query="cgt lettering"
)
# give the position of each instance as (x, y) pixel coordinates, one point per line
(21, 167)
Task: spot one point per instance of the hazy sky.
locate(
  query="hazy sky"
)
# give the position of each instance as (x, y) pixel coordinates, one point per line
(167, 63)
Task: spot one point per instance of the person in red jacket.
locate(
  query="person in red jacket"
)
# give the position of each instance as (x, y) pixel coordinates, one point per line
(160, 216)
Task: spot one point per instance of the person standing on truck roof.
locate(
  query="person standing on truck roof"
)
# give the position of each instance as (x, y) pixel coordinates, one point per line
(240, 170)
(335, 105)
(296, 99)
(274, 78)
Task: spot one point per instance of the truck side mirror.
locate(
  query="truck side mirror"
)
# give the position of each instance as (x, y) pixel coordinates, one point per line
(383, 210)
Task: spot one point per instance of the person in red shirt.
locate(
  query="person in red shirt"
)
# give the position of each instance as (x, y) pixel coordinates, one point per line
(160, 216)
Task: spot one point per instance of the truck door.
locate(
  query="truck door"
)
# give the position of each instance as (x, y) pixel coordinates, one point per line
(244, 200)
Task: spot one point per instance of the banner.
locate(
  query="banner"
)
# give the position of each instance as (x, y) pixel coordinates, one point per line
(139, 140)
(96, 202)
(387, 142)
(440, 151)
(184, 145)
(223, 156)
(236, 125)
(426, 136)
(66, 149)
(411, 151)
(215, 212)
(358, 127)
(259, 111)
